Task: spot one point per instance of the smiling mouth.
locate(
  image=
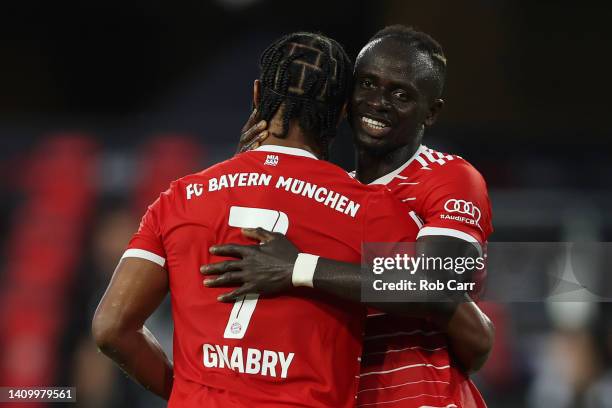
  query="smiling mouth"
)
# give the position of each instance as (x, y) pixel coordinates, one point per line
(374, 127)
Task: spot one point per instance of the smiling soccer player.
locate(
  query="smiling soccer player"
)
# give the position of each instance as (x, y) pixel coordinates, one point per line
(420, 361)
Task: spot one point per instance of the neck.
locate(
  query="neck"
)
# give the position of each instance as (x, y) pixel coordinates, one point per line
(373, 165)
(295, 137)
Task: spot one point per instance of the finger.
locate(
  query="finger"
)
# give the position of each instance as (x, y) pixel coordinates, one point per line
(234, 295)
(253, 144)
(252, 117)
(233, 250)
(258, 234)
(250, 121)
(227, 279)
(220, 267)
(252, 132)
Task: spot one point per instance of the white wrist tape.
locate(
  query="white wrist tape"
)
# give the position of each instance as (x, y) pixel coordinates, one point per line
(304, 269)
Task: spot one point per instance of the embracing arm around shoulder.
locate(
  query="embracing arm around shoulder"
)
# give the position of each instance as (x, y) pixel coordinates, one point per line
(470, 331)
(269, 268)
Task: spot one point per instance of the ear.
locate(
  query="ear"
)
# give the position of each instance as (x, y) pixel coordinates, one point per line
(434, 111)
(256, 93)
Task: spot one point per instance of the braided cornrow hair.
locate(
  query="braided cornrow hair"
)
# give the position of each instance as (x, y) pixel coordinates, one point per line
(309, 75)
(421, 42)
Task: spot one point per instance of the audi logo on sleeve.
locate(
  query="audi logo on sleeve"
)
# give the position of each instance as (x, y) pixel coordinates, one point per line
(469, 209)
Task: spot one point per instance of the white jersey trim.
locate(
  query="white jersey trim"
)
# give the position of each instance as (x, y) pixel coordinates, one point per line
(416, 219)
(405, 398)
(446, 231)
(390, 176)
(406, 367)
(286, 150)
(449, 232)
(404, 349)
(141, 253)
(404, 384)
(447, 406)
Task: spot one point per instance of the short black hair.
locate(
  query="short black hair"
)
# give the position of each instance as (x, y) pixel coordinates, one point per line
(421, 42)
(309, 75)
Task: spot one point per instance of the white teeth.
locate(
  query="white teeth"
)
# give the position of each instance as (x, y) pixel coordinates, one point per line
(373, 123)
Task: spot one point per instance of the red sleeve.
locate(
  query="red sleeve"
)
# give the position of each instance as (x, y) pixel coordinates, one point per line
(457, 204)
(147, 242)
(387, 220)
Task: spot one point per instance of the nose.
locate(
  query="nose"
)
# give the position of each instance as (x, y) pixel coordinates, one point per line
(378, 101)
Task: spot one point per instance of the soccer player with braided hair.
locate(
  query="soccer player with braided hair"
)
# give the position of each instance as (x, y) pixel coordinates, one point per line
(421, 360)
(299, 349)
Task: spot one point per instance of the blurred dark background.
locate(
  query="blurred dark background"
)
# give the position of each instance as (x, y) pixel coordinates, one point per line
(103, 103)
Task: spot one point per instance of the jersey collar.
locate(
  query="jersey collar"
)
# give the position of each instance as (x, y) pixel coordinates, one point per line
(390, 176)
(286, 150)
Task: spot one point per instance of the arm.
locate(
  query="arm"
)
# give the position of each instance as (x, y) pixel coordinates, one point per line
(471, 333)
(137, 288)
(268, 269)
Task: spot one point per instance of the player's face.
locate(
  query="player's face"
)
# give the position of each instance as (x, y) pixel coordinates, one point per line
(391, 98)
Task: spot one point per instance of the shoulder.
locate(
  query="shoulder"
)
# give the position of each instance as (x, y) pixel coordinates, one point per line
(446, 170)
(333, 175)
(453, 196)
(202, 176)
(192, 183)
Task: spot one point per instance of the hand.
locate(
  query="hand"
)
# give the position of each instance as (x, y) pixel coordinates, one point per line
(252, 133)
(265, 269)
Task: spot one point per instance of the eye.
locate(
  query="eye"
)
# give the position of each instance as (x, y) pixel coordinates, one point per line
(366, 83)
(401, 95)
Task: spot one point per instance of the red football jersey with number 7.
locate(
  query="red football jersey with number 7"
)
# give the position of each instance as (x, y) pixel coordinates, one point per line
(300, 349)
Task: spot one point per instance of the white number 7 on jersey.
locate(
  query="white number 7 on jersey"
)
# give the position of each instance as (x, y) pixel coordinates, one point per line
(247, 217)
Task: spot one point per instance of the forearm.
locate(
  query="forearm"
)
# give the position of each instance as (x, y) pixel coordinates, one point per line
(469, 330)
(139, 354)
(339, 279)
(137, 288)
(345, 280)
(471, 335)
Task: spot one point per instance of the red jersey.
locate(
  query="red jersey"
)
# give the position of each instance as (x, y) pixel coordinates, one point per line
(300, 349)
(406, 362)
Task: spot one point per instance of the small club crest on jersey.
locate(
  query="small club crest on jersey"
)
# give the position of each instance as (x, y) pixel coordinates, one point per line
(236, 328)
(271, 160)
